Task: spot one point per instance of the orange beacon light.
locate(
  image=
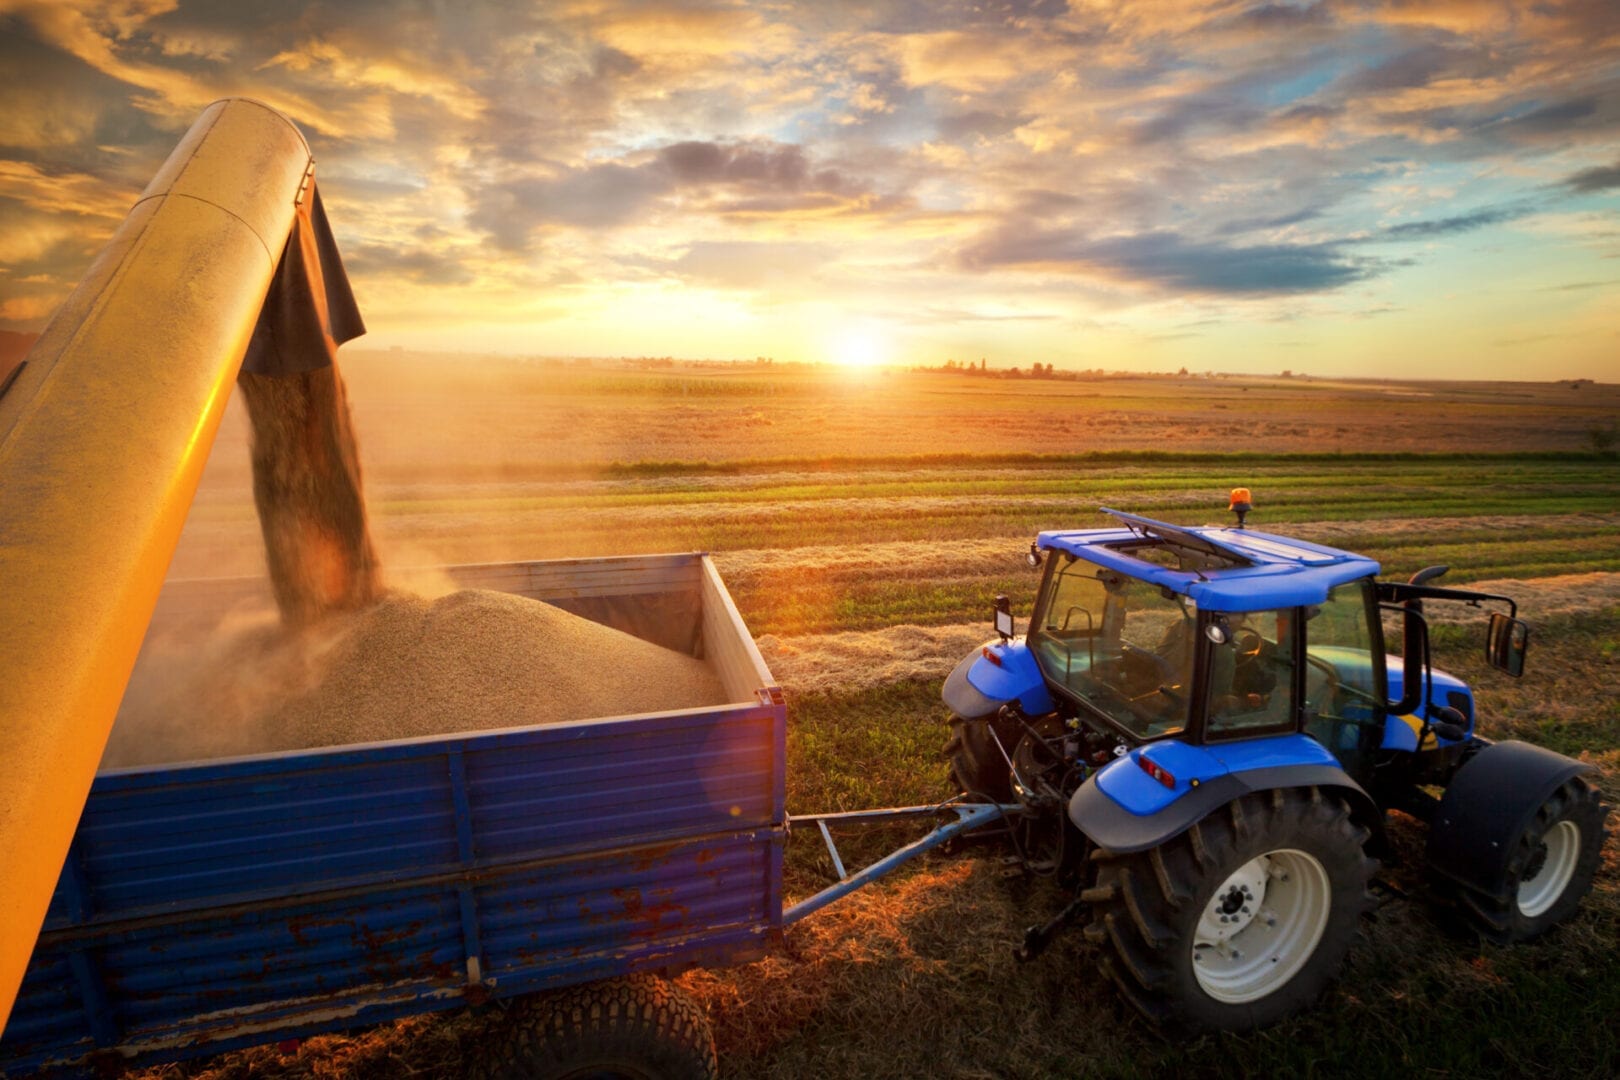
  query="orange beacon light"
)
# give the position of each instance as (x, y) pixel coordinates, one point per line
(1240, 504)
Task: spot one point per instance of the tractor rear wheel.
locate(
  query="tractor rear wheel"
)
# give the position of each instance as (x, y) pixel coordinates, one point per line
(639, 1027)
(1553, 861)
(1241, 920)
(978, 765)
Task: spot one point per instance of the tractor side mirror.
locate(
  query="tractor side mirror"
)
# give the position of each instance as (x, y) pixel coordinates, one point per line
(1004, 619)
(1505, 644)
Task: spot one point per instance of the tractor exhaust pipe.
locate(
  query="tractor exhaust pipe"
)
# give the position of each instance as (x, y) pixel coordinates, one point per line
(103, 436)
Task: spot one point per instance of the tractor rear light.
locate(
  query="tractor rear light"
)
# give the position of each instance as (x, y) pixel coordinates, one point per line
(990, 656)
(1158, 772)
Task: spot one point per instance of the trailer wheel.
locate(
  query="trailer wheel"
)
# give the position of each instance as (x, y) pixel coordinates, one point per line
(1241, 920)
(634, 1028)
(1553, 860)
(977, 764)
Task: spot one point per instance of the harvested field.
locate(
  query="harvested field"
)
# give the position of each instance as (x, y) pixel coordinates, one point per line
(405, 667)
(863, 528)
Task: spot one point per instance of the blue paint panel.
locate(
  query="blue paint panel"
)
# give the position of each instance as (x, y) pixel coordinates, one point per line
(1129, 785)
(1017, 676)
(228, 902)
(48, 1006)
(1283, 572)
(550, 918)
(1444, 689)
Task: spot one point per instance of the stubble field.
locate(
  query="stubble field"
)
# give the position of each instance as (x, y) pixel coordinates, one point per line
(863, 521)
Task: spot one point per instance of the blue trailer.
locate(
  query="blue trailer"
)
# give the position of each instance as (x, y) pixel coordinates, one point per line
(219, 904)
(213, 905)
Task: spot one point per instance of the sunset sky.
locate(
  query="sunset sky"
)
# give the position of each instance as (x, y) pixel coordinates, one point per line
(1408, 187)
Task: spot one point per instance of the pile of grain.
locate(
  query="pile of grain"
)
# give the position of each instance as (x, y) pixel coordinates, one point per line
(405, 667)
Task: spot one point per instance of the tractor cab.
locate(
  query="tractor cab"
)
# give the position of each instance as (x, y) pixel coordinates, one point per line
(1212, 636)
(1209, 635)
(1160, 631)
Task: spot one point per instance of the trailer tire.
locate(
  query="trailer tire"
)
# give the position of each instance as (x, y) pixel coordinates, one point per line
(638, 1027)
(1550, 869)
(977, 764)
(1241, 920)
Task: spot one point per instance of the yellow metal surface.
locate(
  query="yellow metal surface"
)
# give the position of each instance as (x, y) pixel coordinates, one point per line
(102, 440)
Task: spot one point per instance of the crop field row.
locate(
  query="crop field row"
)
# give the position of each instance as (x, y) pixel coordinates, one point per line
(1561, 512)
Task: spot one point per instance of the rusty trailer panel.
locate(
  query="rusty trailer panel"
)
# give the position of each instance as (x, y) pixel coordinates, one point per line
(221, 904)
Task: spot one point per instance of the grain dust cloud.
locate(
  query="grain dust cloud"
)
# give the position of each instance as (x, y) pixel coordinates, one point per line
(345, 659)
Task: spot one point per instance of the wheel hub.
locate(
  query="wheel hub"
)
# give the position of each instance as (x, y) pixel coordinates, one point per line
(1261, 926)
(1236, 902)
(1550, 870)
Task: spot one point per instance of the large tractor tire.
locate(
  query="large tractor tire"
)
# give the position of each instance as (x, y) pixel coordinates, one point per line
(1241, 920)
(978, 766)
(1552, 861)
(634, 1028)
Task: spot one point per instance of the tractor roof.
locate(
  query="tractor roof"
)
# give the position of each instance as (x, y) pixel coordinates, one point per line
(1221, 569)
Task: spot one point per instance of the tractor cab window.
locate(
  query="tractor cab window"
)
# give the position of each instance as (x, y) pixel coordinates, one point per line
(1122, 646)
(1344, 676)
(1251, 675)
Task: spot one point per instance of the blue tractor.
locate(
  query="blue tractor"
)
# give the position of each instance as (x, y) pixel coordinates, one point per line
(1201, 734)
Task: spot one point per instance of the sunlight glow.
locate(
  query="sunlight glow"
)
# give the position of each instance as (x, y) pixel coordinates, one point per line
(858, 347)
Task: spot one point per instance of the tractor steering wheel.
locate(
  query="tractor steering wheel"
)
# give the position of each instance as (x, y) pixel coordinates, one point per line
(1248, 643)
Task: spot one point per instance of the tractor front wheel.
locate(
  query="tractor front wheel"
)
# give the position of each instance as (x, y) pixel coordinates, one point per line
(1240, 921)
(1550, 868)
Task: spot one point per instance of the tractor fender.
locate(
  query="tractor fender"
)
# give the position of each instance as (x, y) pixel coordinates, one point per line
(1115, 811)
(998, 672)
(1487, 805)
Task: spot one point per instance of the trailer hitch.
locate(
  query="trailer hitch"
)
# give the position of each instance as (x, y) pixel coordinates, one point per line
(962, 818)
(1037, 938)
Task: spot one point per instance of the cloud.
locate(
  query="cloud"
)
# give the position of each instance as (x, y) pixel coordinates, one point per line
(983, 123)
(1171, 262)
(747, 265)
(415, 264)
(1597, 178)
(1458, 223)
(767, 165)
(758, 177)
(1421, 65)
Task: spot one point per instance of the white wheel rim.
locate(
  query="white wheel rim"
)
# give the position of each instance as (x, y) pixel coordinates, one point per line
(1541, 890)
(1261, 927)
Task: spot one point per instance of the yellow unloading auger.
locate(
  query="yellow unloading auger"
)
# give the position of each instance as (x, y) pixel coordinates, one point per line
(103, 435)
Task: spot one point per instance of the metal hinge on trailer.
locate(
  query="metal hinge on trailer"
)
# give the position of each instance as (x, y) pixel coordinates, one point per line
(771, 695)
(967, 817)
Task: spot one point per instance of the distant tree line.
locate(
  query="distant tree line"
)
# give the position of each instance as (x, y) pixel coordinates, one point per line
(1038, 370)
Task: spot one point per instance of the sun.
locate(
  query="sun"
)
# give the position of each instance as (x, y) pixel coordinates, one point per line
(858, 347)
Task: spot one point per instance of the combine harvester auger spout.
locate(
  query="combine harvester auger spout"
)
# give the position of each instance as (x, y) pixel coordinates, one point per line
(103, 436)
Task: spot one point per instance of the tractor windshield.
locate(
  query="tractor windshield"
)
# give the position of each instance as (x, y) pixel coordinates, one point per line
(1119, 645)
(1251, 675)
(1344, 681)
